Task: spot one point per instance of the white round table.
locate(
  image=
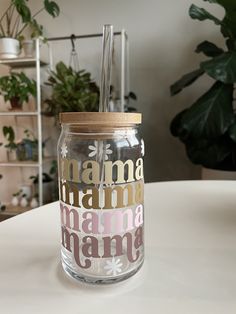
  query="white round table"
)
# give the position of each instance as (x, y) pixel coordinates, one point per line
(190, 264)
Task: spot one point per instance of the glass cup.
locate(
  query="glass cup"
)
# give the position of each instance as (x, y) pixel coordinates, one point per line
(101, 190)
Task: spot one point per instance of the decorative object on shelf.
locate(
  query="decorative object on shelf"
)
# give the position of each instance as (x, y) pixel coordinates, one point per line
(47, 186)
(15, 198)
(17, 88)
(208, 127)
(27, 148)
(27, 190)
(28, 48)
(24, 201)
(9, 48)
(71, 91)
(9, 134)
(14, 21)
(34, 202)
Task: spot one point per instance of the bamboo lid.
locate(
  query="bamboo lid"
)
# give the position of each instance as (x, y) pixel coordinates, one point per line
(100, 118)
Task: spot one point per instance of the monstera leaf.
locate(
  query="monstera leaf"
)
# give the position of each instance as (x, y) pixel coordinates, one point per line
(23, 10)
(52, 8)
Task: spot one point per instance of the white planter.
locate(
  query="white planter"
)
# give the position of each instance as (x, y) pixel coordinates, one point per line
(11, 155)
(24, 202)
(15, 201)
(34, 203)
(27, 190)
(211, 174)
(29, 48)
(9, 48)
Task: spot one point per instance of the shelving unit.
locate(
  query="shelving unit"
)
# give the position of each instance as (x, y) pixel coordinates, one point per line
(12, 211)
(27, 163)
(23, 63)
(18, 113)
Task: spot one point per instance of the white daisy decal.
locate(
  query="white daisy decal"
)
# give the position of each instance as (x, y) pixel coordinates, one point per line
(113, 267)
(64, 150)
(97, 150)
(142, 147)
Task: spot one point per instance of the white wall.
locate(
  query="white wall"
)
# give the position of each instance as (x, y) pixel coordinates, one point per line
(162, 40)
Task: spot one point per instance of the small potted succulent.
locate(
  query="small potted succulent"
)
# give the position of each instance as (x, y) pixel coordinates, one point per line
(16, 19)
(15, 198)
(17, 88)
(71, 91)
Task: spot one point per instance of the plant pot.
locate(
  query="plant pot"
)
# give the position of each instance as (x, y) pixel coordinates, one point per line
(11, 155)
(16, 104)
(20, 152)
(212, 174)
(29, 48)
(9, 48)
(26, 189)
(15, 201)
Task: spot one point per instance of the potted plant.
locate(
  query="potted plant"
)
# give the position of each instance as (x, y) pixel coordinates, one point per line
(9, 134)
(208, 127)
(71, 91)
(14, 21)
(27, 148)
(15, 198)
(17, 88)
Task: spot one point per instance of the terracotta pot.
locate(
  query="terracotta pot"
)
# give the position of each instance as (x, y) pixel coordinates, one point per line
(16, 104)
(9, 48)
(212, 174)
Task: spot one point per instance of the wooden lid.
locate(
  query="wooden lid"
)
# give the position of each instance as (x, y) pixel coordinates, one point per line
(101, 118)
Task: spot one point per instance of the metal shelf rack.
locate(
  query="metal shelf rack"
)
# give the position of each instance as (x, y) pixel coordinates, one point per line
(18, 63)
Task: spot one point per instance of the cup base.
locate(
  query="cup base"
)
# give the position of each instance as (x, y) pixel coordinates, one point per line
(98, 281)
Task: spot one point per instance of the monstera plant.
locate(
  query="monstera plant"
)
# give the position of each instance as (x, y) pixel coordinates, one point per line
(208, 127)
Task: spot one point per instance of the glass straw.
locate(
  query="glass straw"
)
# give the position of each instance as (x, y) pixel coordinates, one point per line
(105, 89)
(106, 68)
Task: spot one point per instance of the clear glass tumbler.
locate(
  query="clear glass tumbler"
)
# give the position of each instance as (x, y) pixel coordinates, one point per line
(101, 188)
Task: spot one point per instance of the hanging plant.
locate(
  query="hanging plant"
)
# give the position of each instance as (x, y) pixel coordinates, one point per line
(72, 91)
(208, 127)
